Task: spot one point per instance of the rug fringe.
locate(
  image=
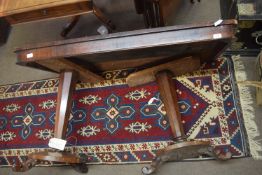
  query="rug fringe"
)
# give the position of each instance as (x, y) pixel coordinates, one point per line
(247, 103)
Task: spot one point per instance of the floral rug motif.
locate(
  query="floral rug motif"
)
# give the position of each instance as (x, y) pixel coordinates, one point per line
(113, 123)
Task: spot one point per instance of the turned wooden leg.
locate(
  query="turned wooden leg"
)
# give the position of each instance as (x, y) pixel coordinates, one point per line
(168, 96)
(67, 83)
(182, 148)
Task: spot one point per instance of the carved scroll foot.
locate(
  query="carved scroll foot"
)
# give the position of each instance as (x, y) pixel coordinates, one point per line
(77, 161)
(24, 166)
(217, 154)
(184, 150)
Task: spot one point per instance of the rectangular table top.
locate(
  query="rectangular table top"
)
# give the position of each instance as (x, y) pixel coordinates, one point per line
(133, 48)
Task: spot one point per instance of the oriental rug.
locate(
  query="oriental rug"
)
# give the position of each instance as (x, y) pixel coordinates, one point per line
(115, 124)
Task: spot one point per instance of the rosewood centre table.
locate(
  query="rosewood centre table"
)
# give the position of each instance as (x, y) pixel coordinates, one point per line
(156, 53)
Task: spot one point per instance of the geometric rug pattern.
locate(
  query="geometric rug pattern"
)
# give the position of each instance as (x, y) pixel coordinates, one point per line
(113, 123)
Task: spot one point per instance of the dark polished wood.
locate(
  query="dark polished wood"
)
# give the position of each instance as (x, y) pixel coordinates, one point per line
(177, 152)
(64, 157)
(177, 66)
(182, 147)
(175, 41)
(24, 166)
(61, 64)
(179, 49)
(168, 95)
(67, 83)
